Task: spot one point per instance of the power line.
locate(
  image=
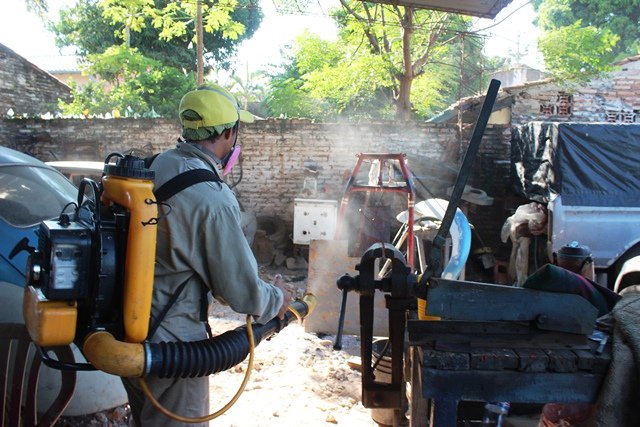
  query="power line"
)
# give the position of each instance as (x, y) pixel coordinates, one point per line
(503, 19)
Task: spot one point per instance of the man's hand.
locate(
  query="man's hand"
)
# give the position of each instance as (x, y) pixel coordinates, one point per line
(277, 282)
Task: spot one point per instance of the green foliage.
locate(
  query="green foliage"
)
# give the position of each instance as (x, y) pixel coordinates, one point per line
(130, 84)
(248, 89)
(578, 53)
(432, 95)
(363, 73)
(351, 84)
(580, 38)
(161, 29)
(285, 97)
(84, 27)
(142, 52)
(38, 7)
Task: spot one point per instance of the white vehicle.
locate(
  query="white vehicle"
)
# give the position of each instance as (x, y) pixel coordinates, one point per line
(75, 170)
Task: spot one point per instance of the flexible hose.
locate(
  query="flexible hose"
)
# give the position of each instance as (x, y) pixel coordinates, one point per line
(210, 356)
(175, 360)
(225, 408)
(199, 358)
(187, 359)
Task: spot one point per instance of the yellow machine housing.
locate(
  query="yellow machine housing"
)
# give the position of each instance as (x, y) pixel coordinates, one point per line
(93, 268)
(136, 195)
(50, 323)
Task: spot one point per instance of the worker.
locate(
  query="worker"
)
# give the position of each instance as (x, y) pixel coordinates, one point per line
(200, 249)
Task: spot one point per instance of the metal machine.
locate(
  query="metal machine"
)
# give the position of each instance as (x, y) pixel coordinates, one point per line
(441, 324)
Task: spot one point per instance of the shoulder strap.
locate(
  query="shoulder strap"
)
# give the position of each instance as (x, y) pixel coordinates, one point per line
(182, 181)
(148, 160)
(165, 192)
(204, 309)
(165, 310)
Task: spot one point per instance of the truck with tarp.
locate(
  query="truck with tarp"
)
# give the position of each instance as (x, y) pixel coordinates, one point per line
(588, 176)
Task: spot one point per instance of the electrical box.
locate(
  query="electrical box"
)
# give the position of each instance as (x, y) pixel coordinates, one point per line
(314, 220)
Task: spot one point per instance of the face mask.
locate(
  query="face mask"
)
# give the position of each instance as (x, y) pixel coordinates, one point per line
(230, 159)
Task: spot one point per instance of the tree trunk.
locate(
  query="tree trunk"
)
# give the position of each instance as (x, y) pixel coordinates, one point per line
(403, 101)
(199, 41)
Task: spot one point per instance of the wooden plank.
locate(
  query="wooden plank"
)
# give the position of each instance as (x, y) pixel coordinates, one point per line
(446, 360)
(493, 359)
(586, 360)
(561, 360)
(500, 334)
(532, 360)
(328, 260)
(534, 339)
(510, 386)
(420, 327)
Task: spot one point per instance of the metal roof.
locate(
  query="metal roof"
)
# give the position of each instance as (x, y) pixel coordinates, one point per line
(481, 8)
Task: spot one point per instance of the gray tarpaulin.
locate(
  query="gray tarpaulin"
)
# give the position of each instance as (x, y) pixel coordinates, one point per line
(588, 164)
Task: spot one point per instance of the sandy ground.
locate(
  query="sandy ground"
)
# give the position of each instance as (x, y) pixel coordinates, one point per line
(298, 379)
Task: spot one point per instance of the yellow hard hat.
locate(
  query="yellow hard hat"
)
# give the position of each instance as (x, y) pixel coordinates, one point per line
(215, 105)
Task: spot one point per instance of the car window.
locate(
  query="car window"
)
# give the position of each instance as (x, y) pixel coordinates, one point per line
(30, 194)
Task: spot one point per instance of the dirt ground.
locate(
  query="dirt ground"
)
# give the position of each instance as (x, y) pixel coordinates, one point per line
(298, 379)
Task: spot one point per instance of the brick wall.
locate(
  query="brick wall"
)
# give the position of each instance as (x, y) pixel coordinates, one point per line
(615, 98)
(25, 88)
(491, 174)
(274, 151)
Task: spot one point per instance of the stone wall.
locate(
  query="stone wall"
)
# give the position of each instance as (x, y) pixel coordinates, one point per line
(26, 89)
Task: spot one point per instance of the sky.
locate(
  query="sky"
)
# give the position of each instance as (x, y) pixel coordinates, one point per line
(23, 32)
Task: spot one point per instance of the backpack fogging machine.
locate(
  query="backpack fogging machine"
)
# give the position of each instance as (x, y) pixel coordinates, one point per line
(90, 282)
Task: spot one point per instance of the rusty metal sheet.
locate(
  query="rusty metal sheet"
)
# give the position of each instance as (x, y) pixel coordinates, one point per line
(328, 260)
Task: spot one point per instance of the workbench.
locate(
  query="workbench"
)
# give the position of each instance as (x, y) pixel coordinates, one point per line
(500, 362)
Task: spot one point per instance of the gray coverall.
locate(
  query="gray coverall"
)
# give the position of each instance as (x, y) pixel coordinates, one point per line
(200, 240)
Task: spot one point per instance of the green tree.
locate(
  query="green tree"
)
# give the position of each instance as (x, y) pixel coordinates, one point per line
(286, 98)
(388, 62)
(578, 53)
(142, 51)
(582, 38)
(161, 29)
(409, 42)
(247, 89)
(131, 84)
